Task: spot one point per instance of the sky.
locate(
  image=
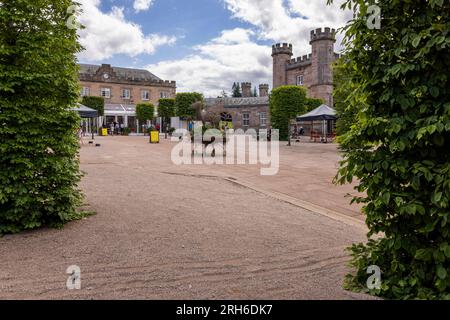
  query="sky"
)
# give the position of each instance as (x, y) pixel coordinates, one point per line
(204, 45)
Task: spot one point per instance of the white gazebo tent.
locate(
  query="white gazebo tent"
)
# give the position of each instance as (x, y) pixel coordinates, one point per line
(322, 113)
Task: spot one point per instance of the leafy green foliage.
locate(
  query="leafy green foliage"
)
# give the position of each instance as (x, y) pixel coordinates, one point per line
(184, 102)
(344, 87)
(399, 146)
(39, 167)
(166, 108)
(96, 103)
(313, 103)
(145, 112)
(286, 103)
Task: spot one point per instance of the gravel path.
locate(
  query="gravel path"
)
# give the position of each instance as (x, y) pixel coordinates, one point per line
(162, 234)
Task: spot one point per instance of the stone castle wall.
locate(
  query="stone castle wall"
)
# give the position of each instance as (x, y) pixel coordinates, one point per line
(316, 68)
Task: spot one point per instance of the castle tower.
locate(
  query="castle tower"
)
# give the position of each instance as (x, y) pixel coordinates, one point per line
(322, 42)
(263, 90)
(246, 89)
(281, 54)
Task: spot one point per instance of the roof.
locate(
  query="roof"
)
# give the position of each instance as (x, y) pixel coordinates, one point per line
(85, 112)
(118, 109)
(322, 112)
(127, 73)
(237, 102)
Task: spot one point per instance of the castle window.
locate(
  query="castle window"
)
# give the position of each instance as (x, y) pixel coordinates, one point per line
(145, 95)
(246, 119)
(164, 95)
(262, 119)
(126, 94)
(105, 92)
(85, 91)
(300, 80)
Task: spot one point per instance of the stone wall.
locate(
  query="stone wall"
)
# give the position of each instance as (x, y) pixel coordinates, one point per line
(116, 92)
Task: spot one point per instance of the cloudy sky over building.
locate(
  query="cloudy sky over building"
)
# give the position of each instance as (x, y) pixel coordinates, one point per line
(205, 45)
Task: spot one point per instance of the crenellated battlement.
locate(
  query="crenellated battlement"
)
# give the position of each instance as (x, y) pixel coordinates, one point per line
(282, 48)
(306, 59)
(323, 34)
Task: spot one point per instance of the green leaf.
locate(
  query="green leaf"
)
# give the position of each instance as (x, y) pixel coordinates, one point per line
(386, 197)
(441, 272)
(437, 197)
(416, 41)
(434, 92)
(423, 254)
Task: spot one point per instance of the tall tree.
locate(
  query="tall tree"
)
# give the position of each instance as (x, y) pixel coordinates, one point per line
(313, 103)
(286, 103)
(96, 103)
(184, 102)
(39, 167)
(399, 148)
(145, 112)
(166, 110)
(255, 92)
(237, 93)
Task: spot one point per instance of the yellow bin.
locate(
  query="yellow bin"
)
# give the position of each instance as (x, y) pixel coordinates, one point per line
(154, 137)
(104, 132)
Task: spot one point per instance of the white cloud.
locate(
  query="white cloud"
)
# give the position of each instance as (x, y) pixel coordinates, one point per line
(236, 55)
(217, 64)
(142, 5)
(107, 34)
(289, 20)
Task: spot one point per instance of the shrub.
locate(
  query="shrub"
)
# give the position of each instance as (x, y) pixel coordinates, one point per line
(313, 103)
(39, 167)
(286, 103)
(126, 131)
(145, 112)
(399, 147)
(96, 103)
(184, 102)
(166, 110)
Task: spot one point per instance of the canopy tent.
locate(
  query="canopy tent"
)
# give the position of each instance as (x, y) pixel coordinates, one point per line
(85, 112)
(323, 112)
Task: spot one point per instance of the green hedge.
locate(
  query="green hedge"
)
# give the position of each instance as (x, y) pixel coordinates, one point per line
(286, 103)
(184, 102)
(39, 168)
(96, 103)
(398, 150)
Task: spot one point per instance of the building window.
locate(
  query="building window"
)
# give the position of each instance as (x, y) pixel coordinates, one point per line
(263, 119)
(246, 119)
(145, 95)
(105, 93)
(300, 80)
(126, 94)
(164, 95)
(85, 91)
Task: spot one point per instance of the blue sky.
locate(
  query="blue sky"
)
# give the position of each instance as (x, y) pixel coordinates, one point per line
(204, 45)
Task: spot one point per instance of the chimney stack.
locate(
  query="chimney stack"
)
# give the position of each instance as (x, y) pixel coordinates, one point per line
(246, 89)
(263, 90)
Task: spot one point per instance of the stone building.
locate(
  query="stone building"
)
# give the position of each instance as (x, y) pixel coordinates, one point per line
(122, 89)
(313, 71)
(245, 113)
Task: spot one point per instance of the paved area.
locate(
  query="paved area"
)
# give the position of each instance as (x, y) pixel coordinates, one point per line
(191, 232)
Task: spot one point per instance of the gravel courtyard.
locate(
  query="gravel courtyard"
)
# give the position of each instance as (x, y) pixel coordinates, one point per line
(163, 231)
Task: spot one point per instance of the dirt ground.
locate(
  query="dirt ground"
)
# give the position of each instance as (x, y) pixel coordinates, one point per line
(192, 232)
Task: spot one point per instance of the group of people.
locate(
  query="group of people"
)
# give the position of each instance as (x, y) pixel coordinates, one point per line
(116, 128)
